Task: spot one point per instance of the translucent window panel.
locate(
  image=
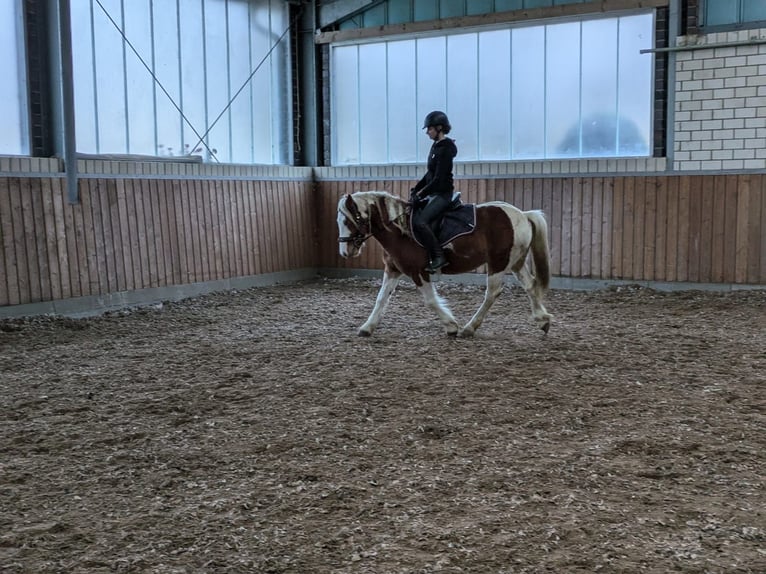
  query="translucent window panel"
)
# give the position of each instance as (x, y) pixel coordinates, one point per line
(431, 83)
(753, 10)
(479, 7)
(494, 95)
(83, 73)
(399, 11)
(13, 125)
(528, 92)
(261, 41)
(239, 114)
(217, 78)
(721, 12)
(598, 126)
(110, 79)
(403, 124)
(462, 93)
(562, 86)
(634, 98)
(345, 78)
(140, 85)
(280, 95)
(192, 77)
(373, 139)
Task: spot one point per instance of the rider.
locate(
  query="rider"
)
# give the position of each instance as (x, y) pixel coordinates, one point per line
(436, 185)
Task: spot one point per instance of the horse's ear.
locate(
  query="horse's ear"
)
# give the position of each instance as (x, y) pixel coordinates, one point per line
(349, 201)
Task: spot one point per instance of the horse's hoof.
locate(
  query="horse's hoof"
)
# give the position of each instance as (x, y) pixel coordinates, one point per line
(546, 326)
(364, 333)
(466, 333)
(452, 334)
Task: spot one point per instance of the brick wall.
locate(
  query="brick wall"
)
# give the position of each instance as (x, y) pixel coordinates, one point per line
(720, 109)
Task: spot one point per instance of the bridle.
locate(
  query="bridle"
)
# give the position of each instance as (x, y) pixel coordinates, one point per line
(362, 225)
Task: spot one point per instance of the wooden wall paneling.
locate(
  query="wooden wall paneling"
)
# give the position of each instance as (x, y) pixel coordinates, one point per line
(185, 216)
(99, 276)
(271, 219)
(276, 214)
(671, 228)
(219, 235)
(555, 224)
(660, 227)
(158, 231)
(576, 244)
(150, 238)
(742, 230)
(115, 239)
(296, 225)
(9, 279)
(261, 228)
(309, 209)
(761, 277)
(597, 240)
(143, 217)
(72, 246)
(91, 275)
(639, 222)
(618, 227)
(756, 225)
(586, 226)
(134, 267)
(684, 228)
(168, 230)
(546, 205)
(231, 227)
(696, 195)
(566, 226)
(41, 241)
(247, 219)
(713, 222)
(650, 227)
(286, 235)
(628, 227)
(291, 231)
(123, 240)
(193, 230)
(326, 221)
(606, 228)
(27, 244)
(205, 201)
(731, 224)
(281, 234)
(214, 236)
(710, 189)
(243, 246)
(252, 230)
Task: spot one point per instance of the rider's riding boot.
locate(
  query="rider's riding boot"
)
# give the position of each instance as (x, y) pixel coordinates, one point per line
(437, 260)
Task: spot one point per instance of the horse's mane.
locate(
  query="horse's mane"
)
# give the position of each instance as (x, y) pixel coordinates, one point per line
(394, 207)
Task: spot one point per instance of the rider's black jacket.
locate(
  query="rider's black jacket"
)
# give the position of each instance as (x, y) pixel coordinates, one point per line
(438, 179)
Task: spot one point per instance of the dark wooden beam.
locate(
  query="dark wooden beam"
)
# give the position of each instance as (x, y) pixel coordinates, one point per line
(602, 6)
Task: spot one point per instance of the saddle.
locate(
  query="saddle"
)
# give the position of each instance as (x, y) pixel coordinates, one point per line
(458, 219)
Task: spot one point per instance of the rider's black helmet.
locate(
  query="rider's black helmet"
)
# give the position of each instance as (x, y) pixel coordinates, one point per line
(437, 118)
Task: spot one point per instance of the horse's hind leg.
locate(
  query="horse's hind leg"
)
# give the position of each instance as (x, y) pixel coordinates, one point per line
(493, 290)
(436, 303)
(390, 281)
(535, 294)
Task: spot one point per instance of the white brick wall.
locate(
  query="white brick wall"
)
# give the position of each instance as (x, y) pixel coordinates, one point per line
(720, 109)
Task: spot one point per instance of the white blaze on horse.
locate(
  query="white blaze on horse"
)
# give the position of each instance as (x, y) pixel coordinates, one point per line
(502, 237)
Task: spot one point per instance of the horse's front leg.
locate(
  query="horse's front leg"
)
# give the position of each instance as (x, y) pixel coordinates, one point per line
(390, 281)
(438, 304)
(493, 290)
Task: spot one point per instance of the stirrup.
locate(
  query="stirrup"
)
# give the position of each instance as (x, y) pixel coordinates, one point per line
(434, 266)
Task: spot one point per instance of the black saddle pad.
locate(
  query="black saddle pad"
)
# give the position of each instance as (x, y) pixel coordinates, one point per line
(457, 221)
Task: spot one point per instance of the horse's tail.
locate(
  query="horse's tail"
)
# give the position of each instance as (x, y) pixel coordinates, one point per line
(541, 255)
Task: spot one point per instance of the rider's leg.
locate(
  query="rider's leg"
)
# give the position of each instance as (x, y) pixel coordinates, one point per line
(424, 219)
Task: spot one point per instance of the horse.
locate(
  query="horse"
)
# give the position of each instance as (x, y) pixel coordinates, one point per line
(502, 238)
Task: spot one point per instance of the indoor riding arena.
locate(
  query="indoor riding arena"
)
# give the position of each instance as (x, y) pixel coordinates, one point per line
(185, 386)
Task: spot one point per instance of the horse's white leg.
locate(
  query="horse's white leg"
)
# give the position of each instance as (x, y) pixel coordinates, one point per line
(390, 281)
(438, 304)
(535, 294)
(493, 290)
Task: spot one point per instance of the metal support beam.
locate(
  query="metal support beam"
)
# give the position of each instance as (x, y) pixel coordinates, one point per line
(62, 88)
(334, 11)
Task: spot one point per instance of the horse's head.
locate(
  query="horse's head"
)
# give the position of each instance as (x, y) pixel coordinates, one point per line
(353, 226)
